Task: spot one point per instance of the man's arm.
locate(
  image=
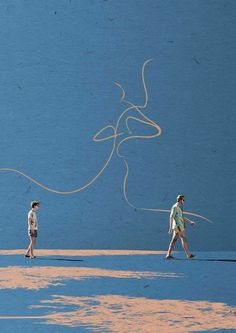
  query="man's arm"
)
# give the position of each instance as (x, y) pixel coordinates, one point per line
(31, 222)
(172, 215)
(170, 225)
(189, 221)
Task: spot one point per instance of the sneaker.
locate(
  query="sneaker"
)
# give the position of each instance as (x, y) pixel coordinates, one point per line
(170, 257)
(32, 257)
(191, 256)
(27, 256)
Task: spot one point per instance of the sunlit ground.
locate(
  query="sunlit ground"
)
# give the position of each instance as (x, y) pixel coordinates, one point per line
(117, 291)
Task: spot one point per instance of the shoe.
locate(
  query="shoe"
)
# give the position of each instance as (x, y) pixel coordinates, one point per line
(170, 257)
(191, 256)
(32, 257)
(27, 256)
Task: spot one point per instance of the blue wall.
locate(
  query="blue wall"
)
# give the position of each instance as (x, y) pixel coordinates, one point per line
(58, 64)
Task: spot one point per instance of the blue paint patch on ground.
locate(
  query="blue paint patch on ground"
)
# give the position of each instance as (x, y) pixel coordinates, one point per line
(207, 278)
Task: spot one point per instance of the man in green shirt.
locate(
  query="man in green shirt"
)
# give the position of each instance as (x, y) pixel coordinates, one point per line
(177, 227)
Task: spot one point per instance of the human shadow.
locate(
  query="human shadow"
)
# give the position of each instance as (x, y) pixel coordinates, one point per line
(59, 259)
(226, 260)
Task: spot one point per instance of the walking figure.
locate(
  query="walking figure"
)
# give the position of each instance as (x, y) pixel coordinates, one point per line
(177, 227)
(32, 229)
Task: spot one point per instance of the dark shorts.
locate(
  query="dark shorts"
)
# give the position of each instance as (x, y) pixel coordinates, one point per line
(33, 233)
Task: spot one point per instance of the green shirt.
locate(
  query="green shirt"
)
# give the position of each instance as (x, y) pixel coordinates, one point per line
(178, 217)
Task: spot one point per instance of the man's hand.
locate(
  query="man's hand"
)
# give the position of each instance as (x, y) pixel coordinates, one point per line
(193, 224)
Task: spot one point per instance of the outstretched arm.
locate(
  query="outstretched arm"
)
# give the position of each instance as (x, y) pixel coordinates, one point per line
(189, 221)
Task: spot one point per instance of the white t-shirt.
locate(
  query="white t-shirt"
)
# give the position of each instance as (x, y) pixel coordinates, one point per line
(33, 218)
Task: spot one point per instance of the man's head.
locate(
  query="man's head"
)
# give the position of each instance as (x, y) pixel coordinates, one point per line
(35, 204)
(180, 199)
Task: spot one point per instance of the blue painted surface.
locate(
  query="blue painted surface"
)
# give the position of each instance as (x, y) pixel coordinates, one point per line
(197, 280)
(58, 63)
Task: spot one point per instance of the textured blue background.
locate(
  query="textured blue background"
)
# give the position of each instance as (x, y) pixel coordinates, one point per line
(58, 64)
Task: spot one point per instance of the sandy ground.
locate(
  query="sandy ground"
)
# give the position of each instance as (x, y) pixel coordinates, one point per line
(117, 291)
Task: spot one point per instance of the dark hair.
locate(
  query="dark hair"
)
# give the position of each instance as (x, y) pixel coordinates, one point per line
(180, 197)
(34, 203)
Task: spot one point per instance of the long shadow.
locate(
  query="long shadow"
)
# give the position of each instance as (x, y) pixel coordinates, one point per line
(59, 259)
(227, 260)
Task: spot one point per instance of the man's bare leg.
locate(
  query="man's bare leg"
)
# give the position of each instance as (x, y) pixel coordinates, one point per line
(172, 244)
(183, 238)
(32, 247)
(29, 250)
